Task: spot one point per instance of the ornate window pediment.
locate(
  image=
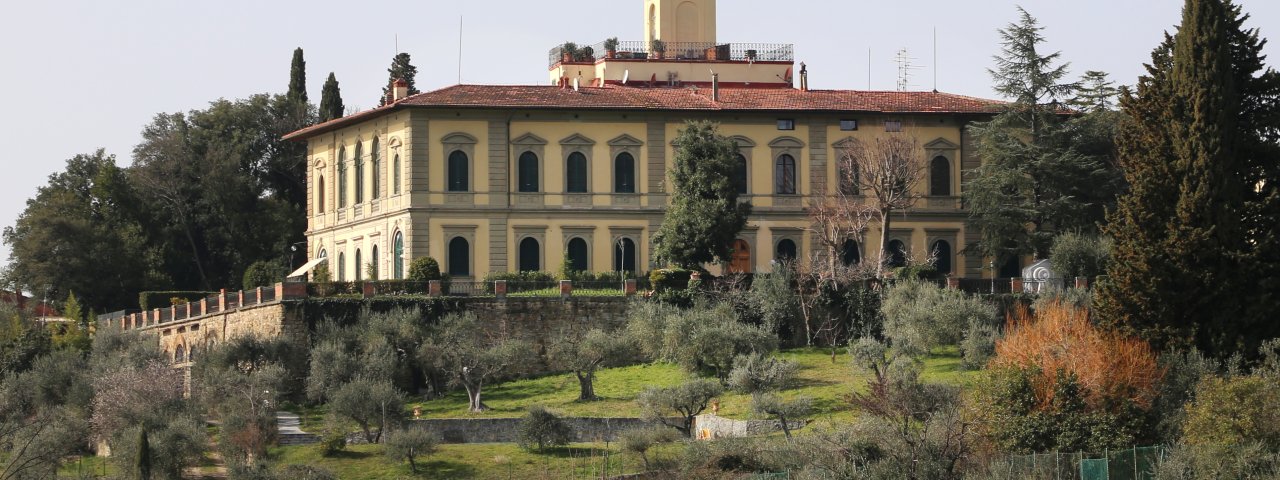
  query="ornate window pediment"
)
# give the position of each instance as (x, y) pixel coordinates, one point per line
(529, 139)
(459, 138)
(625, 140)
(941, 144)
(577, 140)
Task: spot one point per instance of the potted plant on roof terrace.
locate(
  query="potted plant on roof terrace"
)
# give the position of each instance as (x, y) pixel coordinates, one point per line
(611, 47)
(659, 48)
(587, 54)
(568, 51)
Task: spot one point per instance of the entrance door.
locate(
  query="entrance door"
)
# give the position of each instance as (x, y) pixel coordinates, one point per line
(740, 258)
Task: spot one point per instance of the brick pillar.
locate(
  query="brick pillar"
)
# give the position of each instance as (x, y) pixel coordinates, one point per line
(279, 291)
(155, 316)
(204, 306)
(240, 298)
(258, 292)
(500, 288)
(1082, 282)
(434, 289)
(173, 312)
(188, 309)
(566, 288)
(629, 287)
(1016, 285)
(368, 289)
(953, 283)
(125, 321)
(222, 300)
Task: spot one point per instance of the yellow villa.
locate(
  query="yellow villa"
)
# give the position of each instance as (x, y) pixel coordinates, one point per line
(505, 178)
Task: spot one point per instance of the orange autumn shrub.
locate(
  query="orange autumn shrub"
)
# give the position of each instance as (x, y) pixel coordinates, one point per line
(1110, 367)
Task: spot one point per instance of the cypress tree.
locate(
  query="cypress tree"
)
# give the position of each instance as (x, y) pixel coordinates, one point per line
(142, 461)
(298, 77)
(401, 68)
(1188, 243)
(704, 215)
(331, 100)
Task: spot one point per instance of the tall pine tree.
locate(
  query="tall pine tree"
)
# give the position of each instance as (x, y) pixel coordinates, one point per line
(331, 100)
(1191, 247)
(298, 77)
(401, 68)
(1037, 178)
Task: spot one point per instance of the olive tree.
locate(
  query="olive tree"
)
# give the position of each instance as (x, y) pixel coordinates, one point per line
(375, 405)
(408, 444)
(582, 352)
(474, 353)
(686, 400)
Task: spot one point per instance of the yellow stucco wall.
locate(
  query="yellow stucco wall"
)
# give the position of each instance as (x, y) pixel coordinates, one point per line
(429, 216)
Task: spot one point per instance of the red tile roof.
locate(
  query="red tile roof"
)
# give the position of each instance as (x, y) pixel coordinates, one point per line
(671, 99)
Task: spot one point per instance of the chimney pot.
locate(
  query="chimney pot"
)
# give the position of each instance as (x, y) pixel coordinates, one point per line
(715, 87)
(399, 90)
(804, 77)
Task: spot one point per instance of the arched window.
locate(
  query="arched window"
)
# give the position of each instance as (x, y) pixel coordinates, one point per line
(576, 173)
(530, 255)
(528, 172)
(942, 250)
(359, 267)
(459, 257)
(320, 194)
(786, 250)
(342, 267)
(180, 354)
(395, 175)
(376, 159)
(342, 177)
(191, 354)
(850, 254)
(624, 173)
(578, 254)
(1012, 267)
(740, 174)
(624, 255)
(458, 171)
(784, 175)
(359, 174)
(940, 177)
(373, 264)
(897, 253)
(397, 256)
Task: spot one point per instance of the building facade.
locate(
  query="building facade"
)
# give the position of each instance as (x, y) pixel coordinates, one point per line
(511, 178)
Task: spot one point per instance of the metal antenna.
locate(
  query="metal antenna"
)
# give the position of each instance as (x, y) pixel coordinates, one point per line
(904, 69)
(459, 49)
(935, 59)
(868, 69)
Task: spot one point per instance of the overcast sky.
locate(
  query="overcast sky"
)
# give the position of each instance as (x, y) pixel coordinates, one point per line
(77, 75)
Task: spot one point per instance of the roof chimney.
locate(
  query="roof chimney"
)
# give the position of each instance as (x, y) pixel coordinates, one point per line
(399, 89)
(715, 87)
(804, 78)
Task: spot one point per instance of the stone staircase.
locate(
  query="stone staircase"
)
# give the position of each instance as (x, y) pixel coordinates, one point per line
(289, 431)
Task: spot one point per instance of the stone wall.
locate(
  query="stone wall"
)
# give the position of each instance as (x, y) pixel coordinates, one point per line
(504, 430)
(709, 427)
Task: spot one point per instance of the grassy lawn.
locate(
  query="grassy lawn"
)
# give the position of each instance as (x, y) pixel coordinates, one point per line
(496, 461)
(830, 385)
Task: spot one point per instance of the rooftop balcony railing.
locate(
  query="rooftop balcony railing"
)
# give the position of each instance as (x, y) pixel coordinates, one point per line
(697, 51)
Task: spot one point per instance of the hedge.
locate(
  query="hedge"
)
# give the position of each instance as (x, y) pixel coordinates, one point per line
(150, 300)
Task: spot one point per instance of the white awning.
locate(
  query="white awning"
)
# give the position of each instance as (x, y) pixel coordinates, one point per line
(307, 268)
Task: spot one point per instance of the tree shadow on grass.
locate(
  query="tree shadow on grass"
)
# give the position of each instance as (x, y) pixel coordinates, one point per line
(570, 452)
(439, 468)
(349, 455)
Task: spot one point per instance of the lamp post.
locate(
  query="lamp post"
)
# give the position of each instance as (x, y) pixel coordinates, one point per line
(293, 249)
(622, 254)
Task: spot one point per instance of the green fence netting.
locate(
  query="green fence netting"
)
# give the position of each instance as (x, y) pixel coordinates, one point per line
(1137, 463)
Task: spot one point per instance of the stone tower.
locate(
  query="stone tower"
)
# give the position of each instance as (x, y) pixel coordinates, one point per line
(680, 21)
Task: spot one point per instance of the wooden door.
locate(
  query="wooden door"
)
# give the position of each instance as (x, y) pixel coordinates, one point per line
(740, 258)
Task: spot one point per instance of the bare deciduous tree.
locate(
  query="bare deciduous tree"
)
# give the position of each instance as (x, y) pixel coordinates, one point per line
(888, 171)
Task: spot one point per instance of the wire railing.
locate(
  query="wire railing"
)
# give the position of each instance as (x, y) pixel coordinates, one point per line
(701, 51)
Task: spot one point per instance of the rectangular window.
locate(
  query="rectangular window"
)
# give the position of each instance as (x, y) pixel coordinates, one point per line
(848, 125)
(893, 125)
(786, 124)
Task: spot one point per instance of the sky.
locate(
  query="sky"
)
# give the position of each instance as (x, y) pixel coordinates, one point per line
(79, 75)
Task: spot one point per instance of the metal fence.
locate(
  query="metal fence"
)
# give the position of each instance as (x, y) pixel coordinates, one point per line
(640, 50)
(1138, 463)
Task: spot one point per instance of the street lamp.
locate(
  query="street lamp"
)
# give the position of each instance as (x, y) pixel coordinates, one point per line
(293, 249)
